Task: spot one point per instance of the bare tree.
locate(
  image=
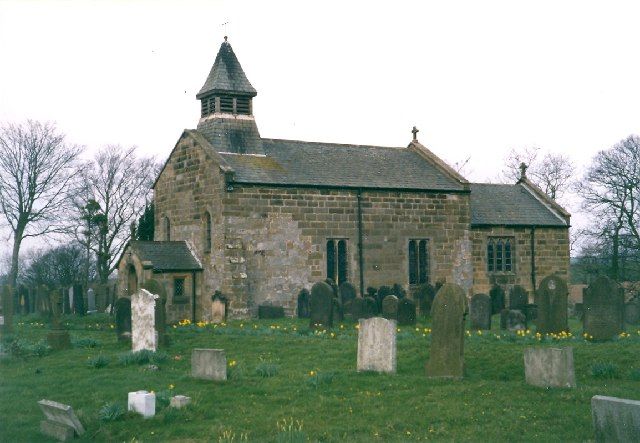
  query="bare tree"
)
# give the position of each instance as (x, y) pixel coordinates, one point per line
(552, 173)
(119, 184)
(37, 172)
(611, 192)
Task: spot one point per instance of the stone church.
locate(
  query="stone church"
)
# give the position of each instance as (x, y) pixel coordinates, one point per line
(259, 219)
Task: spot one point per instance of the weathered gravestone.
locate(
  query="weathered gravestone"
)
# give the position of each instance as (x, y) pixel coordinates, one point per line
(357, 309)
(480, 312)
(57, 338)
(303, 304)
(383, 291)
(321, 305)
(551, 299)
(549, 367)
(603, 309)
(209, 364)
(578, 310)
(143, 319)
(160, 324)
(179, 401)
(518, 299)
(377, 345)
(497, 299)
(446, 355)
(632, 312)
(370, 307)
(78, 300)
(91, 301)
(390, 307)
(43, 303)
(337, 314)
(142, 402)
(615, 419)
(123, 318)
(270, 311)
(61, 422)
(346, 292)
(218, 308)
(512, 320)
(406, 312)
(7, 309)
(531, 312)
(23, 299)
(424, 296)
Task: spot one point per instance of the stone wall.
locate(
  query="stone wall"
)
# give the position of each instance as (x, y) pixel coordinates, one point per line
(551, 256)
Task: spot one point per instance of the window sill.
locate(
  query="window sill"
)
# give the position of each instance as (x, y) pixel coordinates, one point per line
(180, 300)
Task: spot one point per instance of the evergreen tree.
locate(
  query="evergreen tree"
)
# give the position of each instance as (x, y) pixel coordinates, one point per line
(146, 224)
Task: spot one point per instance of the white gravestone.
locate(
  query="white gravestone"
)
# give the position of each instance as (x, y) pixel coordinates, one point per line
(142, 402)
(549, 367)
(218, 311)
(377, 345)
(179, 401)
(209, 364)
(61, 422)
(91, 300)
(143, 321)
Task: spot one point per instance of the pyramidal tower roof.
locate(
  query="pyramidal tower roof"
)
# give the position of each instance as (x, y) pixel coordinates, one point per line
(227, 75)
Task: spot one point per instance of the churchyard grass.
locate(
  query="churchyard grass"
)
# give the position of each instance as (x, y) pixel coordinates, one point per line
(315, 394)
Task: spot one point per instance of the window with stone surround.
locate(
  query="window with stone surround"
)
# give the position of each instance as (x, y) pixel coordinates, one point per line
(178, 288)
(500, 254)
(418, 261)
(207, 232)
(337, 262)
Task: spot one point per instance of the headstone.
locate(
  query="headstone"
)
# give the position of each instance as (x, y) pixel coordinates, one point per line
(549, 367)
(78, 300)
(143, 319)
(23, 299)
(68, 301)
(424, 296)
(61, 422)
(209, 364)
(346, 292)
(447, 337)
(632, 312)
(270, 311)
(142, 402)
(91, 301)
(160, 322)
(518, 298)
(7, 309)
(603, 309)
(123, 318)
(377, 345)
(321, 305)
(578, 310)
(480, 312)
(355, 309)
(370, 307)
(497, 299)
(390, 307)
(57, 338)
(531, 312)
(179, 401)
(219, 308)
(303, 303)
(551, 298)
(406, 312)
(337, 313)
(383, 291)
(399, 291)
(516, 321)
(615, 419)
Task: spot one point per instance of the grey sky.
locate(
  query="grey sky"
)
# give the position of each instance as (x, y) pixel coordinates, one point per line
(477, 78)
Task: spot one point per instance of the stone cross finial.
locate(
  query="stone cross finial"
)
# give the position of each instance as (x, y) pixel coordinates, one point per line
(523, 171)
(415, 131)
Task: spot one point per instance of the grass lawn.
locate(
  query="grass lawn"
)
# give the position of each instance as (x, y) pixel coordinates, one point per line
(273, 395)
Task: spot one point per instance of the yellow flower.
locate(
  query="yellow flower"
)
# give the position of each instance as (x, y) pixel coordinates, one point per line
(312, 373)
(171, 386)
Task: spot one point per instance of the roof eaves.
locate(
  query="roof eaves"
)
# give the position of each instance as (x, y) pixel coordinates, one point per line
(425, 153)
(543, 198)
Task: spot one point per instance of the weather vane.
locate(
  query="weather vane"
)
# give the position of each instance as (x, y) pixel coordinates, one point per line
(225, 29)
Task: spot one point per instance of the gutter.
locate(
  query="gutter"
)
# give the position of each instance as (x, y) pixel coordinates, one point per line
(360, 243)
(533, 258)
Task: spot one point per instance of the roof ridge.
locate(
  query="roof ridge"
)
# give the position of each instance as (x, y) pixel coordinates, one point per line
(332, 143)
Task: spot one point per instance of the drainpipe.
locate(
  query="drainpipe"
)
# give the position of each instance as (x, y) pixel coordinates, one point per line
(193, 297)
(533, 258)
(360, 243)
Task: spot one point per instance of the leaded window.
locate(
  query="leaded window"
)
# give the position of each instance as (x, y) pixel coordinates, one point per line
(418, 261)
(337, 260)
(500, 254)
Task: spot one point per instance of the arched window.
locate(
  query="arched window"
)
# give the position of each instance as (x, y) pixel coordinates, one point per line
(337, 261)
(418, 262)
(207, 232)
(167, 229)
(490, 256)
(507, 255)
(500, 254)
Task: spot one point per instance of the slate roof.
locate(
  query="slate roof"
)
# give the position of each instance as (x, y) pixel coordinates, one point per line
(291, 162)
(227, 75)
(509, 205)
(166, 255)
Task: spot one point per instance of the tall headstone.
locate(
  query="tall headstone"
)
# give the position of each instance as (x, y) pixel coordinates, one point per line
(23, 300)
(303, 303)
(91, 300)
(123, 318)
(390, 307)
(160, 322)
(497, 299)
(549, 367)
(551, 299)
(632, 312)
(480, 312)
(377, 345)
(346, 292)
(78, 300)
(7, 309)
(424, 296)
(615, 419)
(446, 355)
(58, 337)
(321, 305)
(143, 318)
(406, 312)
(603, 307)
(518, 298)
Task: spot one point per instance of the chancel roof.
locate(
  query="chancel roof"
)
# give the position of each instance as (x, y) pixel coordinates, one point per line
(166, 255)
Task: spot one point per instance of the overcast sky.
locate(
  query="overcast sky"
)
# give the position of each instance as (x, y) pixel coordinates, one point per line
(476, 77)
